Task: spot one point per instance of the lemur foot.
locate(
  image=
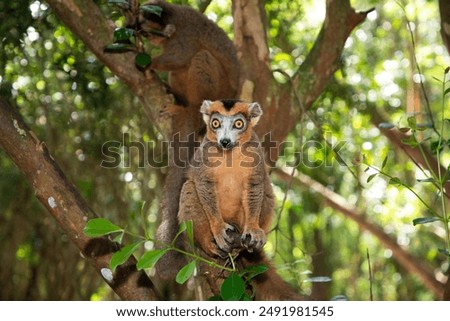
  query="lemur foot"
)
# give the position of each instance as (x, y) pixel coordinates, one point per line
(223, 240)
(253, 239)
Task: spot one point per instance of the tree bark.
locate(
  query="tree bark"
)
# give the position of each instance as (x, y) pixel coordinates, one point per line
(338, 203)
(67, 206)
(446, 296)
(444, 10)
(85, 20)
(250, 39)
(323, 59)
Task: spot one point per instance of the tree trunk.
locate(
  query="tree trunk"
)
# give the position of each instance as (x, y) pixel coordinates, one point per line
(444, 10)
(67, 206)
(250, 39)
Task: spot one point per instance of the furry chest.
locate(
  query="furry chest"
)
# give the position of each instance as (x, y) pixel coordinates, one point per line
(231, 179)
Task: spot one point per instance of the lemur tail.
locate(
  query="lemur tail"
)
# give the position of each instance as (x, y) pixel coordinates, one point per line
(269, 286)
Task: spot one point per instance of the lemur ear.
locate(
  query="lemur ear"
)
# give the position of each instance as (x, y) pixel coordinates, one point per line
(255, 112)
(204, 109)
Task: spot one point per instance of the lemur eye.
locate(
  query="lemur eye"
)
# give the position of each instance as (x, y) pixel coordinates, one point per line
(238, 124)
(215, 123)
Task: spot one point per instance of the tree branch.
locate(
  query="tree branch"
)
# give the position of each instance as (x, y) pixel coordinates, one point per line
(67, 206)
(250, 39)
(338, 203)
(395, 137)
(446, 296)
(323, 59)
(298, 95)
(85, 20)
(444, 10)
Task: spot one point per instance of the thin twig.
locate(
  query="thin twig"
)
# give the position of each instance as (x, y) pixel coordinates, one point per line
(419, 70)
(370, 276)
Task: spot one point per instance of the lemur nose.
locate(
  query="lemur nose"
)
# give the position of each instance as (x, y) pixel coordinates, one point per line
(225, 142)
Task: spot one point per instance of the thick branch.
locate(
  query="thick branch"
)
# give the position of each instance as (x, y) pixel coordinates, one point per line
(447, 291)
(66, 205)
(321, 63)
(250, 39)
(337, 202)
(84, 19)
(323, 59)
(444, 10)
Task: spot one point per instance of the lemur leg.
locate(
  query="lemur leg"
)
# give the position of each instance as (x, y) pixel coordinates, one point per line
(267, 209)
(258, 204)
(191, 209)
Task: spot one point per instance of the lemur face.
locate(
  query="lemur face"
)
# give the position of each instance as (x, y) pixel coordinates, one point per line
(230, 122)
(227, 129)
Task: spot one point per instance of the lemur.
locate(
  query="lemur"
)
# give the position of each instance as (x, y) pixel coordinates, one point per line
(228, 194)
(199, 56)
(202, 64)
(228, 187)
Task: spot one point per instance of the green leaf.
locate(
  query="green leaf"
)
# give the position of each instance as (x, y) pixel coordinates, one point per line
(189, 231)
(123, 35)
(395, 181)
(181, 229)
(444, 251)
(424, 126)
(384, 162)
(100, 227)
(215, 298)
(447, 91)
(424, 220)
(371, 177)
(185, 272)
(119, 48)
(151, 9)
(120, 3)
(426, 180)
(149, 259)
(246, 297)
(118, 238)
(142, 60)
(253, 271)
(437, 79)
(436, 147)
(410, 141)
(123, 255)
(412, 122)
(233, 287)
(446, 177)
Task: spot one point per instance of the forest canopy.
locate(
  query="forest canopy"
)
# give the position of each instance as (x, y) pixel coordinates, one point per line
(363, 216)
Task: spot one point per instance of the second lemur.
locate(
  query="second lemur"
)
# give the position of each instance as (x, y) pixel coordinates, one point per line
(199, 56)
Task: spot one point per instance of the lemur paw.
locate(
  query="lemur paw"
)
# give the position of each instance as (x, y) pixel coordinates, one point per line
(253, 239)
(224, 239)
